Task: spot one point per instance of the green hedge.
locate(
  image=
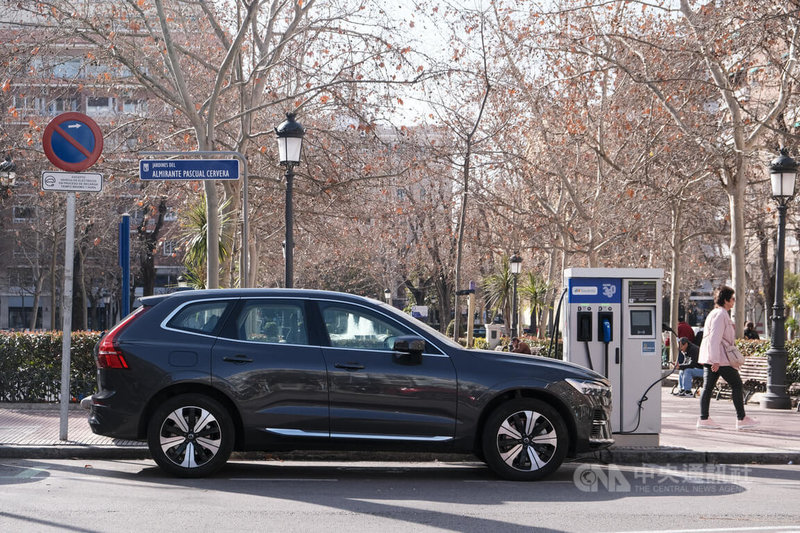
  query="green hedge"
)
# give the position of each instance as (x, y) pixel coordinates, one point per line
(30, 366)
(759, 349)
(30, 363)
(538, 346)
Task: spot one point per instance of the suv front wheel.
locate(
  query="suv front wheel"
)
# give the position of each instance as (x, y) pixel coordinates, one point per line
(524, 440)
(190, 435)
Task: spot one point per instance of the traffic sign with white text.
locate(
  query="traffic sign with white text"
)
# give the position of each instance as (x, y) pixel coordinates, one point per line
(72, 181)
(189, 169)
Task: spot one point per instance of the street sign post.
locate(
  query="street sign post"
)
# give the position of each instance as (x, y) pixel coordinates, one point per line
(72, 181)
(189, 169)
(72, 142)
(172, 169)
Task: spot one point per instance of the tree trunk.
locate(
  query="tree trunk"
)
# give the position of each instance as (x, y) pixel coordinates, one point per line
(738, 259)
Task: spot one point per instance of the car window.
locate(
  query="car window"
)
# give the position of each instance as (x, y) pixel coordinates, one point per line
(272, 322)
(356, 328)
(200, 317)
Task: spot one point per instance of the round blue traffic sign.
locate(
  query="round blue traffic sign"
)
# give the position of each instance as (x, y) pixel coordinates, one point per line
(72, 142)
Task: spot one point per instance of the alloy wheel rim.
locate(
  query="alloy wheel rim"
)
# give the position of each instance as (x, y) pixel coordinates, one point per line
(527, 441)
(190, 436)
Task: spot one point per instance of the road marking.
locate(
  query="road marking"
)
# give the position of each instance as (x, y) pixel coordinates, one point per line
(723, 529)
(27, 473)
(315, 480)
(31, 472)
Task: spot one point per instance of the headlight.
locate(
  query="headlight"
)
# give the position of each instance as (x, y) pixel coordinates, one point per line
(589, 387)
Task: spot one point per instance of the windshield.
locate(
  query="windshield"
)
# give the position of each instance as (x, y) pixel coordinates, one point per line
(420, 325)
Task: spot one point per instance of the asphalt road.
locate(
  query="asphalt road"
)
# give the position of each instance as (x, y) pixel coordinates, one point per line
(110, 496)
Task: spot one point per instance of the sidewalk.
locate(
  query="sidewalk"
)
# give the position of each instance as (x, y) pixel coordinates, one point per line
(32, 431)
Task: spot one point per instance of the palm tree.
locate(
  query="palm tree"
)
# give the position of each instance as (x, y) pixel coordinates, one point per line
(534, 289)
(498, 289)
(195, 240)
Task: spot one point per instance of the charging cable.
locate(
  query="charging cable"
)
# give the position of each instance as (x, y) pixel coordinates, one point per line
(664, 327)
(554, 331)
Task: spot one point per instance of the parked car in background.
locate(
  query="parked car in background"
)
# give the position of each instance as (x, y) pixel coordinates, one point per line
(199, 374)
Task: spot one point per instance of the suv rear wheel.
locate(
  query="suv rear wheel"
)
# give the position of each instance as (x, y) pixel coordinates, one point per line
(190, 435)
(525, 440)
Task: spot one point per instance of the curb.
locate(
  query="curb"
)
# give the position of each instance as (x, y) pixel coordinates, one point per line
(629, 456)
(621, 456)
(74, 452)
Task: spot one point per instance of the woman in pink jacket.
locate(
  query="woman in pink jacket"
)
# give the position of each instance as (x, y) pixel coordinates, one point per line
(718, 332)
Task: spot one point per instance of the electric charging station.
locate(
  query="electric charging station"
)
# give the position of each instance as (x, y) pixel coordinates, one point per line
(613, 326)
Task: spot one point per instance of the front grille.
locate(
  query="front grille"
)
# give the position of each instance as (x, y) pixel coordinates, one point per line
(601, 427)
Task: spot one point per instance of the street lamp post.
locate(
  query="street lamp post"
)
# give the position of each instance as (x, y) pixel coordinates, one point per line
(107, 308)
(290, 141)
(516, 267)
(387, 295)
(782, 173)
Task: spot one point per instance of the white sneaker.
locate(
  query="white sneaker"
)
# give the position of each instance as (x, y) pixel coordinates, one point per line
(747, 423)
(707, 424)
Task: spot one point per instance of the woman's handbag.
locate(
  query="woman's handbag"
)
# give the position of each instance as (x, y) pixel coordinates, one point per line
(735, 357)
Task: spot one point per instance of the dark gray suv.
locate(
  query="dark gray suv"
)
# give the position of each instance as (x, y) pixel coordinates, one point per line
(199, 374)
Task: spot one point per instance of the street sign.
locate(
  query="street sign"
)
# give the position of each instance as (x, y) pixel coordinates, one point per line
(189, 169)
(72, 142)
(72, 181)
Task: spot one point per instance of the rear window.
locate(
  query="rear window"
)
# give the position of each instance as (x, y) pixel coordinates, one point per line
(272, 321)
(200, 317)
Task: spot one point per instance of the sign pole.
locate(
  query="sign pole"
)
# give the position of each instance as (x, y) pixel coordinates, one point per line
(72, 142)
(125, 263)
(66, 313)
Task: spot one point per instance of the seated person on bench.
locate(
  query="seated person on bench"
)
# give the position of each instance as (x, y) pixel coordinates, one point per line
(689, 366)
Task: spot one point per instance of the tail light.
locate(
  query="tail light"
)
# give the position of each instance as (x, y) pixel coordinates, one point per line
(108, 354)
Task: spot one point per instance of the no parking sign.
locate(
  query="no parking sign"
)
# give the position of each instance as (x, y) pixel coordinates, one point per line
(72, 142)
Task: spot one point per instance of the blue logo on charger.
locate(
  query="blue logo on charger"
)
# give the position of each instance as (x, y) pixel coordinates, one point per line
(609, 290)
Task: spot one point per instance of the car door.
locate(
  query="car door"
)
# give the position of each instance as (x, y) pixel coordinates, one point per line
(376, 393)
(266, 362)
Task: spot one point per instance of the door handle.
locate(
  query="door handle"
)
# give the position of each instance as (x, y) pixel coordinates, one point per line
(239, 359)
(349, 366)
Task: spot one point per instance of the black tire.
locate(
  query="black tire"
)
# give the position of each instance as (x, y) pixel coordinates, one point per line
(190, 435)
(525, 440)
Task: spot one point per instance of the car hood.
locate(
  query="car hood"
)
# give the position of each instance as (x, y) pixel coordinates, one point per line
(507, 358)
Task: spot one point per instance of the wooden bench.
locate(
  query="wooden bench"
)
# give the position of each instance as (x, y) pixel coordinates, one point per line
(754, 378)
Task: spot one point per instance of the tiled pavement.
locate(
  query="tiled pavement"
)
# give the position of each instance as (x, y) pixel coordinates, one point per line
(27, 430)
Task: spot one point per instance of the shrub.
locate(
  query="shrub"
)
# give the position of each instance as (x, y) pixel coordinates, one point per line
(759, 348)
(542, 347)
(481, 343)
(30, 366)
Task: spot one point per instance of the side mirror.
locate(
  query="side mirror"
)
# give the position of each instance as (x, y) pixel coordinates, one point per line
(410, 348)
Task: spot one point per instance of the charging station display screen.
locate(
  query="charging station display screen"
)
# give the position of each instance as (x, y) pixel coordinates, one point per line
(641, 322)
(641, 291)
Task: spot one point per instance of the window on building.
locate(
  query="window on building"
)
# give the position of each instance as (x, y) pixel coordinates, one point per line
(134, 106)
(27, 104)
(99, 105)
(24, 213)
(62, 105)
(95, 69)
(66, 68)
(137, 216)
(20, 317)
(171, 215)
(170, 247)
(20, 277)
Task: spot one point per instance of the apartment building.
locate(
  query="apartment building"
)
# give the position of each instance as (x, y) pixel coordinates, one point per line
(43, 79)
